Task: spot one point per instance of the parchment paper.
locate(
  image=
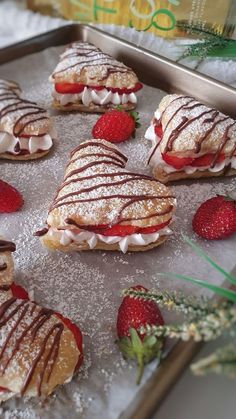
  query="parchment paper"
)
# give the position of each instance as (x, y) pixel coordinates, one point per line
(86, 287)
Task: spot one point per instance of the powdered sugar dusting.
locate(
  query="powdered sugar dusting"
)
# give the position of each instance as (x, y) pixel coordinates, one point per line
(84, 57)
(86, 287)
(200, 119)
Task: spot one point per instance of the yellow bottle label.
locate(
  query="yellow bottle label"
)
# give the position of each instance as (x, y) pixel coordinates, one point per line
(162, 17)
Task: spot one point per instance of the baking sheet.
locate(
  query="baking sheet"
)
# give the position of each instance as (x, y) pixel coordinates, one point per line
(86, 287)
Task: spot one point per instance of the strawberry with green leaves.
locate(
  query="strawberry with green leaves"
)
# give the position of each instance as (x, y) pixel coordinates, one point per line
(116, 126)
(134, 313)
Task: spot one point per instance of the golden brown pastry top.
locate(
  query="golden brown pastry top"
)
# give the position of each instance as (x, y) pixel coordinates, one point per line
(37, 350)
(98, 190)
(189, 127)
(84, 63)
(19, 116)
(38, 347)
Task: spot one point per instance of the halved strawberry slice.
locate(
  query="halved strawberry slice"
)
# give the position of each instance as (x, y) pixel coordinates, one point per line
(177, 162)
(19, 292)
(126, 230)
(78, 88)
(206, 160)
(69, 87)
(3, 389)
(134, 89)
(158, 130)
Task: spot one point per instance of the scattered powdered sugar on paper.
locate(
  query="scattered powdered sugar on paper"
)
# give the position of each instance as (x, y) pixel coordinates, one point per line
(86, 287)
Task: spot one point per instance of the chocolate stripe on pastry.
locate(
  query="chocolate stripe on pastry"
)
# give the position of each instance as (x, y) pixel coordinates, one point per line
(3, 266)
(91, 56)
(6, 246)
(87, 79)
(37, 351)
(25, 127)
(191, 130)
(95, 195)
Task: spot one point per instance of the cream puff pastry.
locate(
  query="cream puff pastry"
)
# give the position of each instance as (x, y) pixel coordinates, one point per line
(88, 80)
(102, 205)
(39, 349)
(191, 140)
(25, 128)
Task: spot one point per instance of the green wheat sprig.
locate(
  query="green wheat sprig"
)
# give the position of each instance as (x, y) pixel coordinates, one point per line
(212, 45)
(205, 328)
(188, 305)
(222, 361)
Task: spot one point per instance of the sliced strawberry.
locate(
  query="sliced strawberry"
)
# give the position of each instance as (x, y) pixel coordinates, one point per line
(158, 130)
(177, 162)
(96, 87)
(4, 389)
(77, 335)
(118, 230)
(78, 88)
(206, 160)
(19, 292)
(69, 87)
(137, 87)
(125, 230)
(153, 229)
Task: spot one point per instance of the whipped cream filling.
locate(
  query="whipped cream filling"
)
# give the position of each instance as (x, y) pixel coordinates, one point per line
(14, 145)
(98, 97)
(65, 237)
(157, 160)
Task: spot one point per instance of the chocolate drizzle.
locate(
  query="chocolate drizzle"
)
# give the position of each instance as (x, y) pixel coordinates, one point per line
(3, 267)
(6, 246)
(91, 193)
(28, 321)
(14, 104)
(92, 164)
(100, 145)
(87, 55)
(42, 232)
(215, 119)
(183, 124)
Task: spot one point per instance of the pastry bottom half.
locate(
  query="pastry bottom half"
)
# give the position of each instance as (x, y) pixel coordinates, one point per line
(32, 156)
(92, 108)
(56, 245)
(164, 177)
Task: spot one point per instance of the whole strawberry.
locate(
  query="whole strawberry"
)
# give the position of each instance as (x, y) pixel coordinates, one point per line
(134, 313)
(116, 126)
(10, 199)
(215, 219)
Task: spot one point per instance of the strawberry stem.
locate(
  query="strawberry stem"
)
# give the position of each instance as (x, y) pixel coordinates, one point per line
(140, 368)
(142, 351)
